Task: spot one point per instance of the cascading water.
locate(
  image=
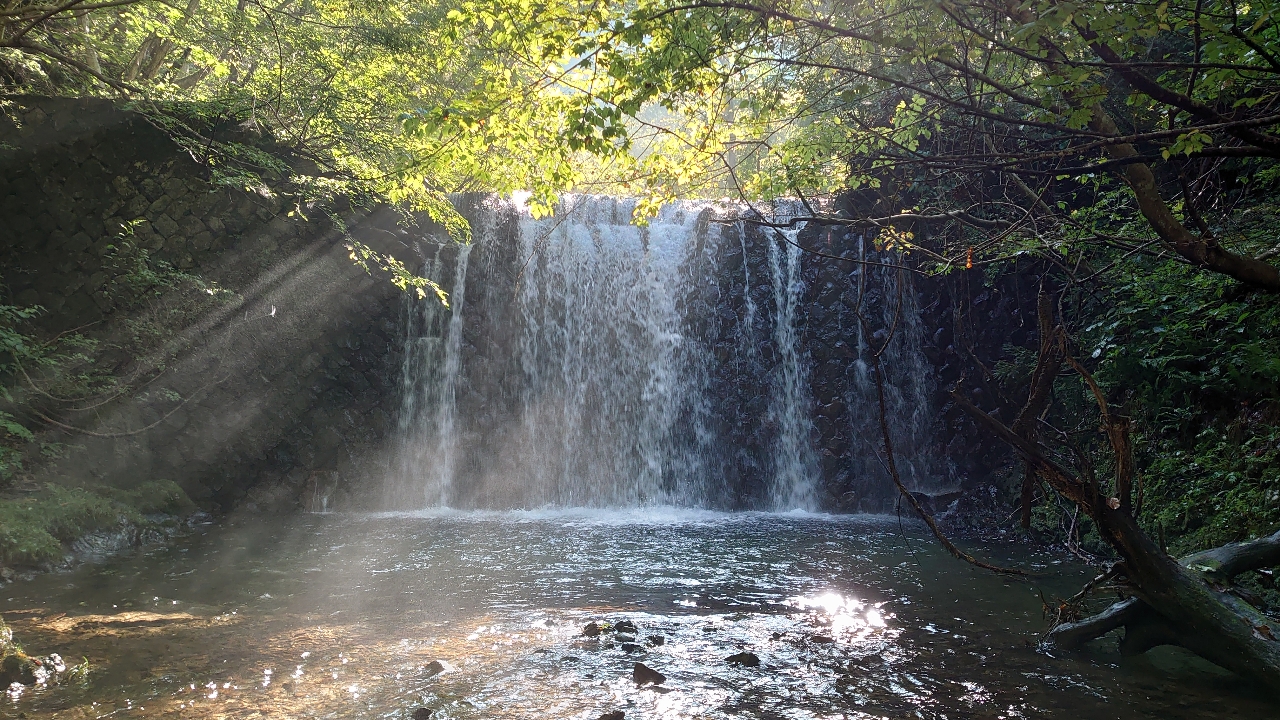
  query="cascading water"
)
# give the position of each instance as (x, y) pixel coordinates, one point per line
(585, 361)
(601, 350)
(794, 462)
(432, 357)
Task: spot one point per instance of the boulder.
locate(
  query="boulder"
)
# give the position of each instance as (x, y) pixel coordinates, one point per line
(645, 675)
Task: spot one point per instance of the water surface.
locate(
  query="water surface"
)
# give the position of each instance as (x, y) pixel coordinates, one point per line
(480, 615)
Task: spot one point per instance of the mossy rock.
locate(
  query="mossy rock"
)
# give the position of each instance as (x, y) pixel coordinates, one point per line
(17, 667)
(34, 529)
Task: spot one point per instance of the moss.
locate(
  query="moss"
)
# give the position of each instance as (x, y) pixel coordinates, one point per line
(1223, 488)
(15, 665)
(34, 529)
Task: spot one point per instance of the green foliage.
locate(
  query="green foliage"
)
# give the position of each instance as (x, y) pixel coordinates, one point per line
(41, 377)
(1196, 361)
(394, 100)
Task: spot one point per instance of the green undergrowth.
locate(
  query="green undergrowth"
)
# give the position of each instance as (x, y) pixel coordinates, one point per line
(35, 528)
(1193, 359)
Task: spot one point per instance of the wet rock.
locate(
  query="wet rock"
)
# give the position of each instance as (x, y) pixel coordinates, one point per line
(822, 639)
(626, 638)
(645, 675)
(631, 647)
(613, 715)
(592, 630)
(435, 667)
(421, 713)
(655, 640)
(625, 626)
(748, 659)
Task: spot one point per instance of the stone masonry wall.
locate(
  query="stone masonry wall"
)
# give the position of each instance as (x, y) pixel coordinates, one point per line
(280, 394)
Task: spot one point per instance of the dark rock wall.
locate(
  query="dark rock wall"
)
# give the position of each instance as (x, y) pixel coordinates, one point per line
(281, 394)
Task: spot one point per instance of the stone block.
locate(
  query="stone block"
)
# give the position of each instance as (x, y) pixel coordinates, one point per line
(123, 187)
(95, 281)
(202, 241)
(191, 225)
(46, 223)
(152, 189)
(55, 240)
(136, 207)
(166, 226)
(174, 187)
(34, 118)
(92, 226)
(159, 206)
(77, 243)
(203, 203)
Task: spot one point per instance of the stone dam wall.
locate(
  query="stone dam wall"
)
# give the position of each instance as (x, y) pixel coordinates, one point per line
(283, 392)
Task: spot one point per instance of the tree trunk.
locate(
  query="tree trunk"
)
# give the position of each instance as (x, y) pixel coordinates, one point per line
(1183, 603)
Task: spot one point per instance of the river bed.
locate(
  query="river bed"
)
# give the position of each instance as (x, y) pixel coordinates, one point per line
(481, 615)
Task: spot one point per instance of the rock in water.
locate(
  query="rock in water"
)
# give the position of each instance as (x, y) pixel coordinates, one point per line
(625, 626)
(613, 715)
(421, 714)
(645, 675)
(744, 658)
(631, 647)
(435, 667)
(591, 630)
(656, 640)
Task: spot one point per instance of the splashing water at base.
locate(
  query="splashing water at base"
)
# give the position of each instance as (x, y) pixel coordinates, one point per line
(481, 615)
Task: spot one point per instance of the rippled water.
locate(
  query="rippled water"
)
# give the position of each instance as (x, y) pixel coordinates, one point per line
(481, 616)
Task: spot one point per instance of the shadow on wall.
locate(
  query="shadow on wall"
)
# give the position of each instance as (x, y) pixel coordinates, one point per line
(272, 390)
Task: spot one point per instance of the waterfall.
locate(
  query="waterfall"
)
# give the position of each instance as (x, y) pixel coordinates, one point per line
(586, 361)
(790, 410)
(432, 358)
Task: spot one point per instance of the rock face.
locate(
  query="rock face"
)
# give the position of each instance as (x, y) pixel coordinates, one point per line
(279, 392)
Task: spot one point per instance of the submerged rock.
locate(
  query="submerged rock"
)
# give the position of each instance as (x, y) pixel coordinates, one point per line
(613, 715)
(655, 640)
(631, 647)
(645, 675)
(421, 713)
(822, 638)
(748, 659)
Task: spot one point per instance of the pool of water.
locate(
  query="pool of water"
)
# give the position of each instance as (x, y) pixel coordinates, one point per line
(481, 615)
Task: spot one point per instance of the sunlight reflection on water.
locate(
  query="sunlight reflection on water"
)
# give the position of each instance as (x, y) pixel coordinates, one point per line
(483, 615)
